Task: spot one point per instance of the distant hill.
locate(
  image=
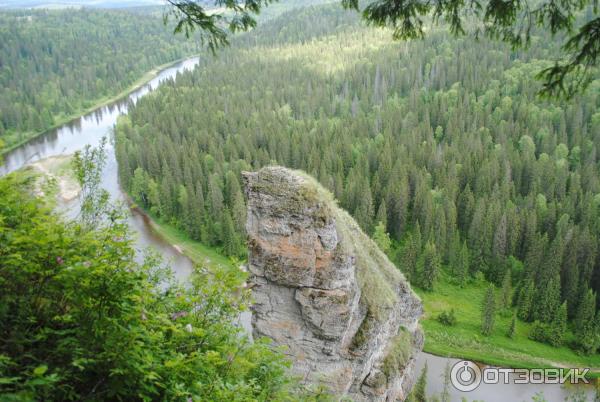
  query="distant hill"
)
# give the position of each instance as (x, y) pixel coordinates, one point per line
(77, 3)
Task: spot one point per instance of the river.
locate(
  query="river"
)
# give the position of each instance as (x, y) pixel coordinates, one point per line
(92, 127)
(89, 130)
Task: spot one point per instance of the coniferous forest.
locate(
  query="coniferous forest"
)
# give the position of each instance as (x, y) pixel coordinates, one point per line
(440, 148)
(56, 64)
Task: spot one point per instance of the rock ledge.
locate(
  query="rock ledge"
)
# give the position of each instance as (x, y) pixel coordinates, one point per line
(324, 290)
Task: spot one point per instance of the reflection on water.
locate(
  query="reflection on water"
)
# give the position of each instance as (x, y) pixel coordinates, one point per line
(89, 130)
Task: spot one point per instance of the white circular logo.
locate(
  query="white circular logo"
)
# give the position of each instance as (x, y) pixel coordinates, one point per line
(465, 376)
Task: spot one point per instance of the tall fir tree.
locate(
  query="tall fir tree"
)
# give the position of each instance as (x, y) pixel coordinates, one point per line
(430, 267)
(547, 300)
(506, 294)
(512, 330)
(462, 269)
(231, 242)
(488, 311)
(525, 300)
(407, 258)
(558, 326)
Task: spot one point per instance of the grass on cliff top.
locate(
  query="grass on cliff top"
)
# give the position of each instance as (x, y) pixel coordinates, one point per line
(376, 275)
(464, 340)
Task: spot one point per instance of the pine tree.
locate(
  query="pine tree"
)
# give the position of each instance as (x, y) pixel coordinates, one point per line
(586, 311)
(462, 269)
(506, 294)
(196, 208)
(500, 242)
(558, 326)
(418, 237)
(364, 210)
(238, 212)
(381, 216)
(570, 277)
(231, 242)
(431, 267)
(488, 312)
(439, 230)
(478, 238)
(407, 258)
(454, 252)
(547, 300)
(587, 324)
(183, 207)
(466, 204)
(525, 300)
(513, 327)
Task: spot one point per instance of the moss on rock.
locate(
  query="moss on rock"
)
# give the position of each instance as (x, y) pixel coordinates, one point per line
(398, 354)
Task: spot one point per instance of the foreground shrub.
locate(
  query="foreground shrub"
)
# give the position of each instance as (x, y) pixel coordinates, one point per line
(447, 318)
(80, 319)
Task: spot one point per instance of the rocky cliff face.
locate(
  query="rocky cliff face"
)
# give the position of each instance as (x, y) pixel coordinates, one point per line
(324, 290)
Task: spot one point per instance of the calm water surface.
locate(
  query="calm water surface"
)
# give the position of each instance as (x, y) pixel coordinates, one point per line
(495, 392)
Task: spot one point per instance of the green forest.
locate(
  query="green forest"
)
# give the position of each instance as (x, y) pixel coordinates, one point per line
(54, 65)
(439, 148)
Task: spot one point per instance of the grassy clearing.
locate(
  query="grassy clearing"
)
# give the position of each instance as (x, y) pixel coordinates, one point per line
(464, 340)
(97, 103)
(199, 253)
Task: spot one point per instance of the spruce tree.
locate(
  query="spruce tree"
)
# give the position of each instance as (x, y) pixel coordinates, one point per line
(381, 216)
(586, 311)
(418, 237)
(488, 311)
(454, 252)
(500, 243)
(587, 324)
(430, 268)
(506, 294)
(462, 270)
(547, 300)
(525, 300)
(407, 258)
(558, 326)
(231, 242)
(513, 327)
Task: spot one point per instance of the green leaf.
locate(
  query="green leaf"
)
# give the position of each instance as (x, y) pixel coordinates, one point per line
(40, 370)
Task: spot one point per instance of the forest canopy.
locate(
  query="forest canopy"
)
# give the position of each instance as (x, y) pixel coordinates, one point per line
(574, 23)
(441, 143)
(56, 64)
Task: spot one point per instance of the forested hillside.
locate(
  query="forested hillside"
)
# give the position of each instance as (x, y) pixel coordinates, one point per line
(56, 64)
(441, 143)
